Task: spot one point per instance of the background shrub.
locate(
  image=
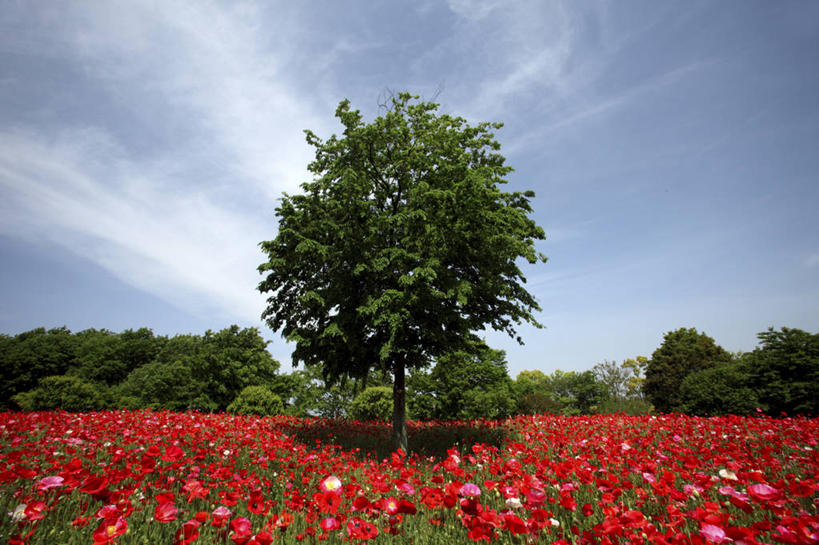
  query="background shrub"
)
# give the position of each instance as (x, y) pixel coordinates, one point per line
(374, 403)
(258, 400)
(65, 392)
(631, 406)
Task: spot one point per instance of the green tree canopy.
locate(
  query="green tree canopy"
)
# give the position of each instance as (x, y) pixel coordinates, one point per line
(718, 391)
(108, 357)
(464, 385)
(784, 371)
(161, 385)
(34, 355)
(401, 247)
(684, 351)
(230, 360)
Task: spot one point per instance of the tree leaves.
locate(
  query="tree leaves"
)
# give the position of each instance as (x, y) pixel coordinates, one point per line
(401, 244)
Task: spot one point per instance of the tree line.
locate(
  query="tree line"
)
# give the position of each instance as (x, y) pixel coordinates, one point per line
(231, 370)
(692, 374)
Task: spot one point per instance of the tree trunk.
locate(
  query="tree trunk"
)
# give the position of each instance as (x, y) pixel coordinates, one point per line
(399, 412)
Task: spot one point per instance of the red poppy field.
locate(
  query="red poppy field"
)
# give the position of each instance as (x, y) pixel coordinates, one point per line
(160, 477)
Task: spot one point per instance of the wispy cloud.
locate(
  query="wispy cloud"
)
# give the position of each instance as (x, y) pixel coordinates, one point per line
(178, 245)
(217, 69)
(212, 88)
(520, 51)
(591, 110)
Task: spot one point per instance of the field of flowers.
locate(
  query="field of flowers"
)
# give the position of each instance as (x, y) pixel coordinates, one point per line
(159, 477)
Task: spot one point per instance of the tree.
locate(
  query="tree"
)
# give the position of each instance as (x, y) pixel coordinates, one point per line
(784, 371)
(472, 383)
(229, 361)
(624, 386)
(683, 352)
(530, 382)
(401, 247)
(614, 377)
(587, 392)
(107, 357)
(162, 385)
(634, 385)
(34, 355)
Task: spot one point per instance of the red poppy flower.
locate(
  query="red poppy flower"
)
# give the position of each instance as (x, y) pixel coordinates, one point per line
(188, 533)
(390, 505)
(360, 502)
(432, 498)
(194, 489)
(220, 516)
(165, 497)
(256, 503)
(173, 453)
(35, 510)
(514, 524)
(165, 512)
(567, 501)
(361, 529)
(262, 538)
(407, 507)
(94, 484)
(109, 529)
(329, 502)
(241, 530)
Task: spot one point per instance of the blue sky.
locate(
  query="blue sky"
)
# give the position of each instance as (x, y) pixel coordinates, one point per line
(672, 147)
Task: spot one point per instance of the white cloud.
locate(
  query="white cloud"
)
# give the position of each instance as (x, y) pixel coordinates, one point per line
(220, 71)
(474, 9)
(181, 222)
(178, 245)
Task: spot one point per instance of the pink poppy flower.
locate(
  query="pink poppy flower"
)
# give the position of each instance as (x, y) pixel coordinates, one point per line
(330, 484)
(47, 483)
(470, 489)
(714, 534)
(764, 492)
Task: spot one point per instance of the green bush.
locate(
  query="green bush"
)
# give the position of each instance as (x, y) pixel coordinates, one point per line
(718, 391)
(537, 403)
(631, 406)
(374, 403)
(161, 385)
(69, 393)
(257, 400)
